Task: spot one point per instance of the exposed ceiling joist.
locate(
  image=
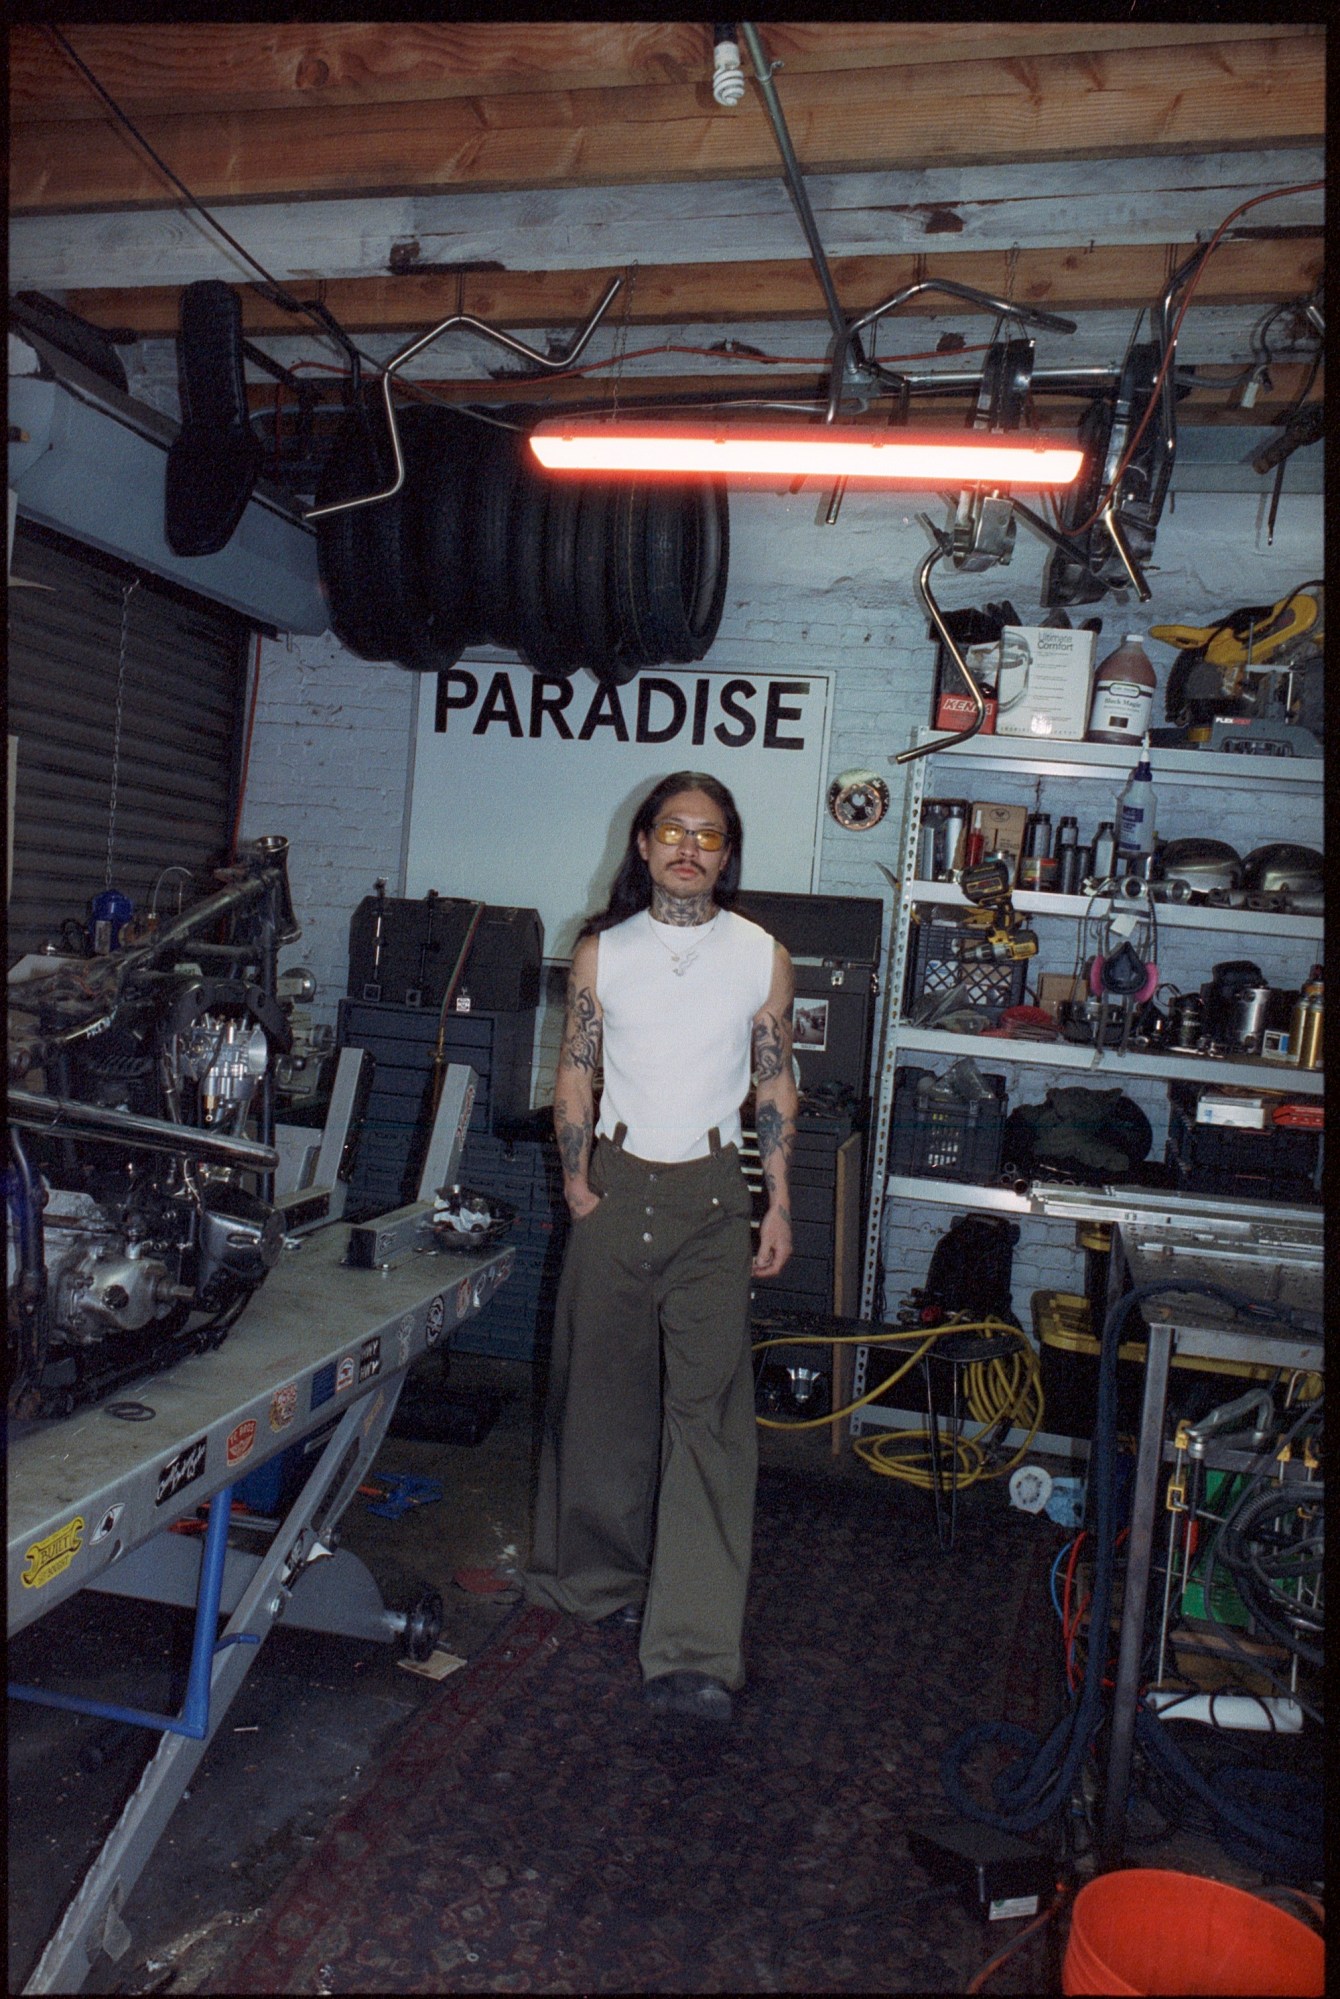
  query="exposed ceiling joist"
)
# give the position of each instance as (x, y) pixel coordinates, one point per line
(1027, 206)
(1100, 104)
(207, 66)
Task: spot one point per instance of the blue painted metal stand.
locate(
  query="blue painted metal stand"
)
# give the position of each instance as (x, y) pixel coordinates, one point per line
(194, 1717)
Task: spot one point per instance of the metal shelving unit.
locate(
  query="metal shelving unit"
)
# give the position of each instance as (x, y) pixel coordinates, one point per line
(1273, 777)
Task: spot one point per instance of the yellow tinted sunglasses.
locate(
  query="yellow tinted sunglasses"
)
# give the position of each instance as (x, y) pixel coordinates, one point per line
(669, 832)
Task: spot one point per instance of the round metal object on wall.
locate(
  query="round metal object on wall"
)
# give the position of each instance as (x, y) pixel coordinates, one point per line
(858, 800)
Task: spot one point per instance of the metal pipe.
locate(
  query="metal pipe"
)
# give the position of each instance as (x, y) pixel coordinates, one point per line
(546, 361)
(932, 610)
(1027, 315)
(99, 1122)
(795, 184)
(1128, 561)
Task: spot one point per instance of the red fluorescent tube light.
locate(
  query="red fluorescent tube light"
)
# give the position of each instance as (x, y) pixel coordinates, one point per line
(810, 451)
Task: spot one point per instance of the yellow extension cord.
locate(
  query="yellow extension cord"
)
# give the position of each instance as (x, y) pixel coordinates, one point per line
(999, 1393)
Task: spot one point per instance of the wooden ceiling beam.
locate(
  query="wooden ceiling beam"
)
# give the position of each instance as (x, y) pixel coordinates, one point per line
(1216, 399)
(1102, 276)
(1249, 93)
(174, 67)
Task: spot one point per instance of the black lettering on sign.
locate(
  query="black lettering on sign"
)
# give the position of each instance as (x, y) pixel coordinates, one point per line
(499, 705)
(701, 693)
(778, 714)
(550, 697)
(446, 700)
(604, 713)
(647, 686)
(732, 694)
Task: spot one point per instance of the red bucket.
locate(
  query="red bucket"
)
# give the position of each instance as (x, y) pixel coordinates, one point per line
(1146, 1931)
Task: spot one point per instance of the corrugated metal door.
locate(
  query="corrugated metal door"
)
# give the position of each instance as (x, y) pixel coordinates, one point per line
(180, 682)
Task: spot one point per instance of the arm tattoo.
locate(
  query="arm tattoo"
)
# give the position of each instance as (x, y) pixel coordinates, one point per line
(776, 1137)
(582, 1032)
(769, 1055)
(574, 1145)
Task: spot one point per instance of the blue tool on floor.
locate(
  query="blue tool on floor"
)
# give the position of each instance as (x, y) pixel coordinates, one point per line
(403, 1490)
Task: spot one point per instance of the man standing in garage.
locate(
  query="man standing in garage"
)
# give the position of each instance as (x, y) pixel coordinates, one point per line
(644, 1513)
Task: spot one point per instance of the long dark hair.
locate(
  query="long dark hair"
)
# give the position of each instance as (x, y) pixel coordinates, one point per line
(632, 884)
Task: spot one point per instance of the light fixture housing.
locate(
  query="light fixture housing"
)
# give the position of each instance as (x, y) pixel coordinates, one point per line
(922, 458)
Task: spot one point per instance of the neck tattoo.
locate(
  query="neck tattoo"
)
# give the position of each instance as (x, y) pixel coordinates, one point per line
(681, 956)
(682, 911)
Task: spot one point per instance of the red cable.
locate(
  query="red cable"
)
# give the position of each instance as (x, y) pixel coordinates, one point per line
(1271, 194)
(977, 1982)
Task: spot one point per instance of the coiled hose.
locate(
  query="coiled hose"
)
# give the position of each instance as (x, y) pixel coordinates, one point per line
(1001, 1393)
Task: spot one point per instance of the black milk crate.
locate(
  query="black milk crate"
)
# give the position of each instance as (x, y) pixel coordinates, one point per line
(934, 967)
(933, 1139)
(1277, 1164)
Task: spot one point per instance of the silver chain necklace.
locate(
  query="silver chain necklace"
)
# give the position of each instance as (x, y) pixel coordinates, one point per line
(681, 960)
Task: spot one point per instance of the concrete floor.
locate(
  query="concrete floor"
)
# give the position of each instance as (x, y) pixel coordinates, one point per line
(313, 1714)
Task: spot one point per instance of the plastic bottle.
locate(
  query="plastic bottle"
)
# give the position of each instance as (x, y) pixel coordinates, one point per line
(1068, 856)
(1123, 694)
(1135, 817)
(1104, 851)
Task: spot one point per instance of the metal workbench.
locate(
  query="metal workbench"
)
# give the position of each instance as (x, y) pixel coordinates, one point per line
(321, 1348)
(1286, 1272)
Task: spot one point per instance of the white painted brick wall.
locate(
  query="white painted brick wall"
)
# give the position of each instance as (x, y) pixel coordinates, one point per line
(330, 756)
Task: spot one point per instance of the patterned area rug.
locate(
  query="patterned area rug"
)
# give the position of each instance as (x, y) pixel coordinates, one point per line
(538, 1831)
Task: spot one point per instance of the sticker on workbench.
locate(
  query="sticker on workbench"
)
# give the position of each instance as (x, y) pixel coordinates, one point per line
(346, 1374)
(240, 1441)
(106, 1524)
(323, 1385)
(370, 1358)
(378, 1404)
(50, 1558)
(402, 1339)
(437, 1318)
(283, 1406)
(182, 1470)
(507, 1265)
(465, 1298)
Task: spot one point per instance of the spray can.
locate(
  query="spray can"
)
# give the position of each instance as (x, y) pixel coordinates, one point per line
(1305, 1027)
(956, 819)
(1068, 875)
(1123, 694)
(1135, 818)
(1037, 867)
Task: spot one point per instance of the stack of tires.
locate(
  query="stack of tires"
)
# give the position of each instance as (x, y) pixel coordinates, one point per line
(480, 546)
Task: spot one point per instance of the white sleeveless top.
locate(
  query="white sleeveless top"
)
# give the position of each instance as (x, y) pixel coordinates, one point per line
(679, 1004)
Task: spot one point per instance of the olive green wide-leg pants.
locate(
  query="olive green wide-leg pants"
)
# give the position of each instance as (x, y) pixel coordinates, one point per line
(649, 1457)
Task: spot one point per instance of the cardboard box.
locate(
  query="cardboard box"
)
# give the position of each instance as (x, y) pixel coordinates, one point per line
(955, 711)
(1045, 683)
(1002, 827)
(1053, 987)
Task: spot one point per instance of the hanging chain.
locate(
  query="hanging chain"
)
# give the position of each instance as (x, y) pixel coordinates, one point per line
(127, 592)
(621, 343)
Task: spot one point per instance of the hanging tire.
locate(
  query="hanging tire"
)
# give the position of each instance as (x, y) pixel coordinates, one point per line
(491, 535)
(685, 555)
(440, 517)
(592, 589)
(367, 557)
(538, 638)
(634, 504)
(560, 572)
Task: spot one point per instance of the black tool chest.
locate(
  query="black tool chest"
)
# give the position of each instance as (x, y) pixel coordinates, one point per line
(807, 1283)
(395, 1129)
(834, 944)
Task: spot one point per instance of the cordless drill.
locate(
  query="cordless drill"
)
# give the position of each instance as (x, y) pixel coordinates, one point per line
(1006, 940)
